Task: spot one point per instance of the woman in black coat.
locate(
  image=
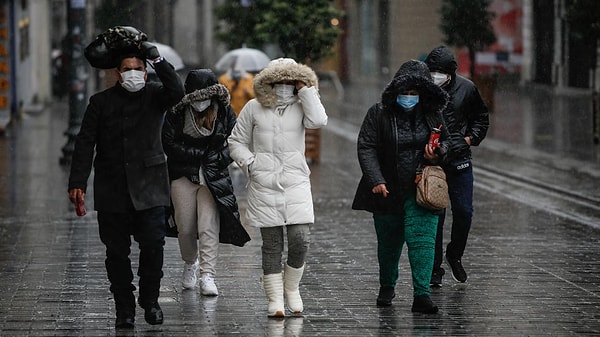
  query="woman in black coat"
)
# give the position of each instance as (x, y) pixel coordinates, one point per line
(195, 140)
(392, 144)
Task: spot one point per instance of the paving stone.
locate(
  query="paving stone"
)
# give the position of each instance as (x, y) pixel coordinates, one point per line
(531, 273)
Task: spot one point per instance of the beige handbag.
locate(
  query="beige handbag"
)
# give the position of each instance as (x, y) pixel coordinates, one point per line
(432, 189)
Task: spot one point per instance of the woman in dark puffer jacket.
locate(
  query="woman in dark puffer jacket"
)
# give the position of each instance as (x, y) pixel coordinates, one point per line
(392, 143)
(195, 140)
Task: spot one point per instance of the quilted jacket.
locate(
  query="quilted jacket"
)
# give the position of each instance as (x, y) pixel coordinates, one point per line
(187, 154)
(268, 144)
(391, 141)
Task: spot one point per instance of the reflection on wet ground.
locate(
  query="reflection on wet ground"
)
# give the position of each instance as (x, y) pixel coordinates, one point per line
(537, 118)
(531, 272)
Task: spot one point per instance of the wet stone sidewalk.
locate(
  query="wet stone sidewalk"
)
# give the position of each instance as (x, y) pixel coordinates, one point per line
(531, 273)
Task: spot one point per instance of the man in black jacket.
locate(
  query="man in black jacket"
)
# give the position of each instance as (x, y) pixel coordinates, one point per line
(467, 120)
(122, 125)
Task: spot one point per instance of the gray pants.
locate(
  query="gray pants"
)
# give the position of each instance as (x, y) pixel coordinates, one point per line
(197, 219)
(298, 237)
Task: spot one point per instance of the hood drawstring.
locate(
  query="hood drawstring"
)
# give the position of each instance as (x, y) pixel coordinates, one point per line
(281, 109)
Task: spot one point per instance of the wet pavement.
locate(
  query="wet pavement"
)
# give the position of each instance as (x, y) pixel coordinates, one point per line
(532, 258)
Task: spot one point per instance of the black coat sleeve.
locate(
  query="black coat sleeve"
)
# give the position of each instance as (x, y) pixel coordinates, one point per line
(172, 90)
(477, 117)
(83, 154)
(368, 148)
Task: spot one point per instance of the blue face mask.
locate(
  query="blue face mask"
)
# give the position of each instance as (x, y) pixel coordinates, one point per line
(407, 102)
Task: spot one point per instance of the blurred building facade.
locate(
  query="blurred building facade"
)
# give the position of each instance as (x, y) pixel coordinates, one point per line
(24, 56)
(533, 42)
(378, 35)
(381, 35)
(552, 55)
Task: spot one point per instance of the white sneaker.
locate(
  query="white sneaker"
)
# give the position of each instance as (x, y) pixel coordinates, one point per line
(207, 285)
(189, 278)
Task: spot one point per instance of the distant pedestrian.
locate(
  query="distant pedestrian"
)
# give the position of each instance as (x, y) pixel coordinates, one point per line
(468, 122)
(268, 144)
(239, 83)
(206, 211)
(121, 137)
(392, 143)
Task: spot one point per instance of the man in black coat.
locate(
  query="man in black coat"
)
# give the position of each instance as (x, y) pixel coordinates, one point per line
(122, 128)
(467, 118)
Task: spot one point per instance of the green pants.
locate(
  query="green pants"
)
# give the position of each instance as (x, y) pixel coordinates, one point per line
(418, 228)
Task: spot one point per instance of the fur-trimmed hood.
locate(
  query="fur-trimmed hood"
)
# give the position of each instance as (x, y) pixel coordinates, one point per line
(216, 91)
(200, 85)
(281, 70)
(414, 74)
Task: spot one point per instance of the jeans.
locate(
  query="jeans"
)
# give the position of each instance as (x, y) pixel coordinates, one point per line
(148, 229)
(460, 190)
(272, 248)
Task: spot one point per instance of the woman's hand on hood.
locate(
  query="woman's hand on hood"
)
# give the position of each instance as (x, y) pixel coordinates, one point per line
(300, 85)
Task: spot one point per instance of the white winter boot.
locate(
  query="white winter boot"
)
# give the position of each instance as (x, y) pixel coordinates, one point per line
(292, 277)
(273, 284)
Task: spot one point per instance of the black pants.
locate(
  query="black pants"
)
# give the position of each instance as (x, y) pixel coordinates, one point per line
(460, 190)
(148, 230)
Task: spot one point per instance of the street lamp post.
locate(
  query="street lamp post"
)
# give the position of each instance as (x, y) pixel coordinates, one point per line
(77, 74)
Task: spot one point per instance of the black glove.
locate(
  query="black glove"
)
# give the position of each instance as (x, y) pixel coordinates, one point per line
(150, 51)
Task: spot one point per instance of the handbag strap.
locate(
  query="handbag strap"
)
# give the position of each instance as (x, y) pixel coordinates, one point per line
(419, 173)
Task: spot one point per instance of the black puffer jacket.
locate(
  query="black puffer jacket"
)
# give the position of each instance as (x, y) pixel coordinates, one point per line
(391, 141)
(186, 154)
(466, 114)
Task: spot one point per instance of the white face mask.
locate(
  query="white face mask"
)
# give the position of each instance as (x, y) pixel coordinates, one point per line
(133, 80)
(440, 79)
(284, 91)
(200, 106)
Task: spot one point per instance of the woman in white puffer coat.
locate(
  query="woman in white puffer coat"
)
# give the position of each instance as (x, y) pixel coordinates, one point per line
(267, 143)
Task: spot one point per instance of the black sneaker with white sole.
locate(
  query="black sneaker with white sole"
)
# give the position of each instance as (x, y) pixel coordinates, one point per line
(436, 277)
(456, 269)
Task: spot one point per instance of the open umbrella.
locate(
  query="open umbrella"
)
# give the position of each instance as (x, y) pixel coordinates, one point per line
(170, 55)
(249, 59)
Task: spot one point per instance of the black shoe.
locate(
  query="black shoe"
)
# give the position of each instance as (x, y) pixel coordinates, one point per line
(125, 308)
(386, 294)
(423, 304)
(458, 272)
(153, 314)
(125, 321)
(436, 277)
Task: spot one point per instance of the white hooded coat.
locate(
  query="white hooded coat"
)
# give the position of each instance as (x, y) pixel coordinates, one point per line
(267, 142)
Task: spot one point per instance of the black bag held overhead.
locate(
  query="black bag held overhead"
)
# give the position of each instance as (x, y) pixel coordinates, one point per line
(105, 50)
